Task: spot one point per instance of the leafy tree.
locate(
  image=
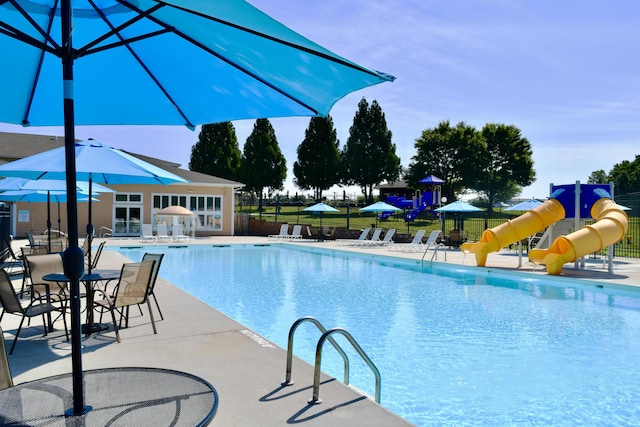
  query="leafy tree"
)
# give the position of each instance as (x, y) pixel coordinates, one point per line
(216, 152)
(263, 164)
(504, 163)
(598, 177)
(369, 157)
(626, 176)
(317, 166)
(450, 153)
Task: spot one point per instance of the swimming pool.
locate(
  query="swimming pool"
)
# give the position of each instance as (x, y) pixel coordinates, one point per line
(458, 347)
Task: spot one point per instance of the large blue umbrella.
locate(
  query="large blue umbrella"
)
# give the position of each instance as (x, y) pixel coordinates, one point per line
(525, 206)
(184, 62)
(320, 208)
(378, 208)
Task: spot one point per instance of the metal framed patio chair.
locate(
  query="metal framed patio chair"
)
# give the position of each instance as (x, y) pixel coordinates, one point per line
(40, 305)
(154, 276)
(132, 289)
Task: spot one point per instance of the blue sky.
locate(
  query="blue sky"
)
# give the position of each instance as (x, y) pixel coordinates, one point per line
(564, 72)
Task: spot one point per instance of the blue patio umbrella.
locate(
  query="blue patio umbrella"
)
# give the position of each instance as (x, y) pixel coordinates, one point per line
(182, 62)
(525, 206)
(458, 206)
(378, 208)
(320, 208)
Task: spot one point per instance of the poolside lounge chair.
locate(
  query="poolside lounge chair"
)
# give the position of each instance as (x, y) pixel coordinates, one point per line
(434, 242)
(147, 234)
(284, 233)
(39, 306)
(296, 233)
(162, 234)
(374, 240)
(414, 246)
(363, 236)
(178, 234)
(132, 289)
(386, 241)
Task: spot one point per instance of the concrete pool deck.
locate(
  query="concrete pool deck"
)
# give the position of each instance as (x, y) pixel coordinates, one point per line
(245, 368)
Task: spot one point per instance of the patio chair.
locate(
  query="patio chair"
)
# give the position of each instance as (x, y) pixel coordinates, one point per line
(11, 262)
(96, 256)
(296, 233)
(161, 233)
(154, 276)
(284, 233)
(178, 234)
(375, 239)
(414, 245)
(363, 236)
(31, 239)
(132, 289)
(387, 240)
(30, 250)
(39, 266)
(147, 234)
(6, 380)
(39, 306)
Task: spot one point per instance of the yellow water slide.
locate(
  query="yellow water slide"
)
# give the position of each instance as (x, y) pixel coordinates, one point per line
(610, 227)
(515, 230)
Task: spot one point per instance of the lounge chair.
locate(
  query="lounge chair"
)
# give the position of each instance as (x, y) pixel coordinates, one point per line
(39, 306)
(284, 233)
(363, 236)
(162, 234)
(147, 234)
(414, 246)
(374, 240)
(296, 233)
(132, 289)
(178, 234)
(387, 240)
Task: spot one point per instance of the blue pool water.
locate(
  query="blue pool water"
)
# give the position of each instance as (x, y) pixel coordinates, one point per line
(457, 347)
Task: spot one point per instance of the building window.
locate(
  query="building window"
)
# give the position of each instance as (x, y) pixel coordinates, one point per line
(207, 209)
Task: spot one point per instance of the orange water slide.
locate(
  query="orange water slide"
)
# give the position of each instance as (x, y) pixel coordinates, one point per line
(515, 230)
(610, 227)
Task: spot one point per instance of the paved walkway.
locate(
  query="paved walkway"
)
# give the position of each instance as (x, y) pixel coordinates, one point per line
(245, 368)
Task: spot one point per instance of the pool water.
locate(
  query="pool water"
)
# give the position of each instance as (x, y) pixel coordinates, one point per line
(456, 347)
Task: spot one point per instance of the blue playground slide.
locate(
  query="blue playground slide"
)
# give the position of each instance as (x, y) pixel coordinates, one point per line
(412, 214)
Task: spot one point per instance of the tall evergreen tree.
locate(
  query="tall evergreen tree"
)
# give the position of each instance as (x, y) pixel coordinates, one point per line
(369, 156)
(317, 166)
(263, 164)
(217, 152)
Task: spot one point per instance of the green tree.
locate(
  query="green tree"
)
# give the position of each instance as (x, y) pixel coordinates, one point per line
(263, 164)
(598, 177)
(450, 153)
(369, 156)
(505, 163)
(626, 176)
(317, 166)
(217, 152)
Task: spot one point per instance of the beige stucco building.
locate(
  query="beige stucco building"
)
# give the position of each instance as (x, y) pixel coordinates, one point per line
(122, 212)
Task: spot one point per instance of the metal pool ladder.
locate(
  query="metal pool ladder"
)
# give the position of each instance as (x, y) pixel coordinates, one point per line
(326, 336)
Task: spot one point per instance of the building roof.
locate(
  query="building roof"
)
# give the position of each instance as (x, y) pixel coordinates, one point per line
(14, 146)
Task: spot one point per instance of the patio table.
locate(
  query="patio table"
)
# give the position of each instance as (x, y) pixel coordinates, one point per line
(115, 396)
(88, 279)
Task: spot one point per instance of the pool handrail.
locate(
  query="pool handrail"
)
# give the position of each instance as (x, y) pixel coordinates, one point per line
(316, 377)
(322, 329)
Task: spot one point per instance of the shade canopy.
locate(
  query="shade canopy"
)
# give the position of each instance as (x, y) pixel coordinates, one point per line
(320, 207)
(379, 207)
(185, 62)
(431, 179)
(17, 184)
(40, 196)
(175, 210)
(97, 162)
(458, 206)
(525, 206)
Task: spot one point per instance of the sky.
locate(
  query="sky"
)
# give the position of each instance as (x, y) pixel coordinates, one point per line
(564, 72)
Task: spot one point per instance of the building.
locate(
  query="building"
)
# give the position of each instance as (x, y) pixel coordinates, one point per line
(122, 212)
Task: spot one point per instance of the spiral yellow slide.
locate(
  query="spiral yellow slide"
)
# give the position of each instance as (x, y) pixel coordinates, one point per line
(610, 227)
(515, 230)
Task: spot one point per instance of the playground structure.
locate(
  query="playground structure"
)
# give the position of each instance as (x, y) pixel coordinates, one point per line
(425, 200)
(577, 202)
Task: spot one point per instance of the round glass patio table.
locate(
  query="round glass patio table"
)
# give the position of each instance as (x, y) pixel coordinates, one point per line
(117, 396)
